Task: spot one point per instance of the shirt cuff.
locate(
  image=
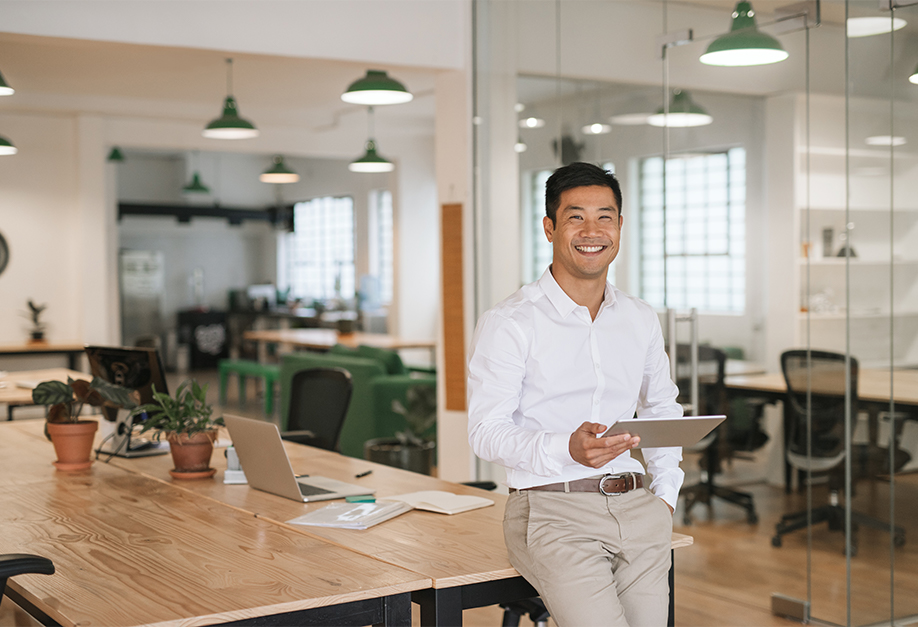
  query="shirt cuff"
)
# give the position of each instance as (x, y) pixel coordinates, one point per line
(668, 494)
(559, 449)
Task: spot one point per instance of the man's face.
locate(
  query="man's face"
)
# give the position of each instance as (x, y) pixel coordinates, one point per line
(586, 234)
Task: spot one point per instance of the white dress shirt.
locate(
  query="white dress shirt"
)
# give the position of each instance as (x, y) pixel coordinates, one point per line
(540, 367)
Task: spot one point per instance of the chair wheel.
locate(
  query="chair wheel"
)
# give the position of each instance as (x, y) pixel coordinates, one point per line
(776, 541)
(899, 539)
(752, 518)
(686, 520)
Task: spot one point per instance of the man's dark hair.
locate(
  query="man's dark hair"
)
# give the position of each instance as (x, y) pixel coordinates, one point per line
(577, 175)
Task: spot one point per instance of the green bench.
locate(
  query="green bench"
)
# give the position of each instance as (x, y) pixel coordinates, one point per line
(246, 368)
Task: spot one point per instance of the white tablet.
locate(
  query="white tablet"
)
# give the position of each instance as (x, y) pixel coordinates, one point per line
(657, 432)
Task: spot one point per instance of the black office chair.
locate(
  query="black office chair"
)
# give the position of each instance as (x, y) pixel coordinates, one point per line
(13, 564)
(319, 398)
(723, 442)
(816, 388)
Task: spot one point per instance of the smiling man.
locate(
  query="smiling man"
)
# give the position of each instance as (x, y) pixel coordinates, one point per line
(551, 368)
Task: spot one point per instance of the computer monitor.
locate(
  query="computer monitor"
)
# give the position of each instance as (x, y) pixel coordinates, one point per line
(137, 369)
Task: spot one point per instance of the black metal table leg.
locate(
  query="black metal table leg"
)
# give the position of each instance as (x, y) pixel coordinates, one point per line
(398, 610)
(671, 619)
(440, 607)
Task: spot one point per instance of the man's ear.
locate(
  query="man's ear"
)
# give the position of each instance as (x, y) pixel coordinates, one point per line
(548, 226)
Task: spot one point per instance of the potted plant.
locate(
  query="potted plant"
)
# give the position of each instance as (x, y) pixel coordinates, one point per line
(37, 334)
(410, 449)
(72, 437)
(188, 424)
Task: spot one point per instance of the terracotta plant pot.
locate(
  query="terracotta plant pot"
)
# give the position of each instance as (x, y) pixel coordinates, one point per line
(191, 455)
(73, 443)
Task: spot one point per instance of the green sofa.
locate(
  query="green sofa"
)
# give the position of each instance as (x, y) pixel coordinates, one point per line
(379, 377)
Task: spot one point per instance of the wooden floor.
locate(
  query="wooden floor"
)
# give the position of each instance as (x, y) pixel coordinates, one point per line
(727, 577)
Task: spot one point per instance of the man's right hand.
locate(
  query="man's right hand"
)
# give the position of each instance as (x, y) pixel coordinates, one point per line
(596, 452)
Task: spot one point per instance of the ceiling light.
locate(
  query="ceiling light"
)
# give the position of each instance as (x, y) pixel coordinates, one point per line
(867, 26)
(116, 155)
(376, 88)
(279, 173)
(596, 129)
(520, 146)
(683, 112)
(532, 123)
(519, 107)
(745, 44)
(885, 140)
(630, 119)
(371, 161)
(7, 147)
(196, 186)
(230, 125)
(5, 90)
(914, 77)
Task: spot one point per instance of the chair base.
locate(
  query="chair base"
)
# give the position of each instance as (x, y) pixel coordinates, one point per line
(834, 515)
(706, 491)
(535, 607)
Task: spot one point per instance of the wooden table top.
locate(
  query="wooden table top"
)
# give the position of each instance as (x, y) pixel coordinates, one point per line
(13, 393)
(451, 550)
(873, 385)
(129, 550)
(323, 339)
(41, 347)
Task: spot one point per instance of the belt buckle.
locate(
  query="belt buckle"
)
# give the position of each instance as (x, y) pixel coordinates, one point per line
(618, 476)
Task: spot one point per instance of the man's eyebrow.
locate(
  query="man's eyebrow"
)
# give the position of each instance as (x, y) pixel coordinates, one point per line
(579, 208)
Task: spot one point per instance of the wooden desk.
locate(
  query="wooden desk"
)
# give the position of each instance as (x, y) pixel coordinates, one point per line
(873, 386)
(324, 339)
(72, 351)
(464, 555)
(132, 550)
(14, 395)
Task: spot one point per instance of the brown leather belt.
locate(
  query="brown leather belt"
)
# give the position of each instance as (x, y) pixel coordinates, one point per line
(607, 484)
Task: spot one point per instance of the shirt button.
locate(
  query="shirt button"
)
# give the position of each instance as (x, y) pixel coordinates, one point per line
(596, 402)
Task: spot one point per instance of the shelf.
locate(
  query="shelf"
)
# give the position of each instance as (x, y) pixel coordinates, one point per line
(836, 209)
(855, 261)
(856, 316)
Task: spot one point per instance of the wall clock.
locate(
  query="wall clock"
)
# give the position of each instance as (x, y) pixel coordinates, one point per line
(4, 254)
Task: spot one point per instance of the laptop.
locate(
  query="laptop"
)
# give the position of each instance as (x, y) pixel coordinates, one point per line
(659, 432)
(267, 467)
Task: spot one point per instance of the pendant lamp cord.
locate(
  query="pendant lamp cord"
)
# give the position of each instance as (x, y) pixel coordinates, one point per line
(370, 123)
(229, 77)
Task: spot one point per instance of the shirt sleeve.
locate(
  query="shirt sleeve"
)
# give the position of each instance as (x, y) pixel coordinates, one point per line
(496, 370)
(658, 400)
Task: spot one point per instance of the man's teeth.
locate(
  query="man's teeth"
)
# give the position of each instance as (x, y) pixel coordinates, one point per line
(589, 249)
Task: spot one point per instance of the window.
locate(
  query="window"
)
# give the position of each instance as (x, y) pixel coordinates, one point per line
(536, 246)
(704, 232)
(381, 246)
(320, 251)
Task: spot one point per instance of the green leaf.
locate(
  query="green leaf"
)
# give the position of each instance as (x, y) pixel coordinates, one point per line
(51, 393)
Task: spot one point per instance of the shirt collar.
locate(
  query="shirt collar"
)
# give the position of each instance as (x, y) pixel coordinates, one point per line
(562, 302)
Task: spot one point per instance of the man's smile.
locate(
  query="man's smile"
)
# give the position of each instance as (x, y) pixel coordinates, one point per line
(591, 248)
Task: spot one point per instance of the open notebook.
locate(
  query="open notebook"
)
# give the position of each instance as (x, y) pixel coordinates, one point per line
(442, 502)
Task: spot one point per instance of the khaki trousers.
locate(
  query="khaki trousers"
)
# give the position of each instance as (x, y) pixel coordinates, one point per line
(595, 560)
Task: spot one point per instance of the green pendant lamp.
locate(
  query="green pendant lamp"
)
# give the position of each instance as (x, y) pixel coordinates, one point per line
(745, 44)
(371, 161)
(683, 112)
(230, 125)
(7, 147)
(376, 88)
(279, 173)
(914, 77)
(5, 90)
(116, 155)
(196, 186)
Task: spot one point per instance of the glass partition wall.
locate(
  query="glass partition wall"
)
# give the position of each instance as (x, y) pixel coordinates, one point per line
(785, 209)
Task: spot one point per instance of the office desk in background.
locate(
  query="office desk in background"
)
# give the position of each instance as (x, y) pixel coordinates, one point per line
(12, 394)
(873, 393)
(324, 339)
(72, 351)
(132, 550)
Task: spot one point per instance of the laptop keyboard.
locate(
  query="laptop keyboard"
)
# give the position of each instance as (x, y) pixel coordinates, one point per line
(311, 490)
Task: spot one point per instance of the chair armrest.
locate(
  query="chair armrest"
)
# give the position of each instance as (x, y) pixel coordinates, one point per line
(14, 564)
